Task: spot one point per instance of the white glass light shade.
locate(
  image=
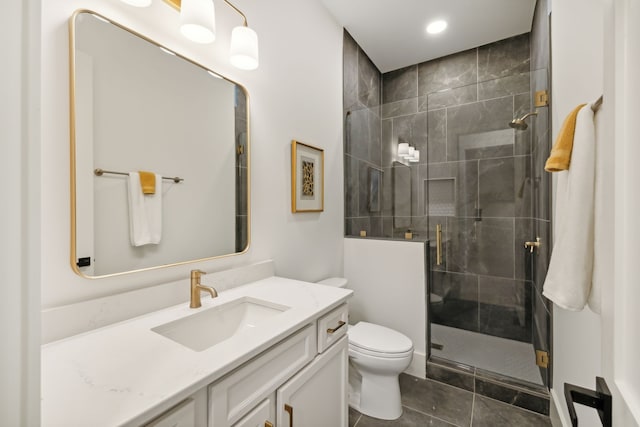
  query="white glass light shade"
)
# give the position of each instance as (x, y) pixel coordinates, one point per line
(244, 48)
(403, 149)
(415, 157)
(411, 151)
(197, 20)
(137, 3)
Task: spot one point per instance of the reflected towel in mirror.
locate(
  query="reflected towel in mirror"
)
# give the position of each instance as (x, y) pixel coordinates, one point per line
(145, 212)
(148, 182)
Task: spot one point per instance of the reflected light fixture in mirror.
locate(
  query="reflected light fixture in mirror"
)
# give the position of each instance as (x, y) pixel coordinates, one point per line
(197, 23)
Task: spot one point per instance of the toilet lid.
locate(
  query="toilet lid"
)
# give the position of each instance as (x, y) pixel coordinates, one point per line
(378, 338)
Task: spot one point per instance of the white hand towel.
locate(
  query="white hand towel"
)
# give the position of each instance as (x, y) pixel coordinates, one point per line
(568, 281)
(145, 212)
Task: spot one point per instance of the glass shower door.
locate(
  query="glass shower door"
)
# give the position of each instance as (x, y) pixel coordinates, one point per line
(479, 201)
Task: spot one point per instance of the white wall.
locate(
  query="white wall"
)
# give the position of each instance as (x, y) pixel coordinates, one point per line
(577, 77)
(295, 94)
(388, 278)
(20, 215)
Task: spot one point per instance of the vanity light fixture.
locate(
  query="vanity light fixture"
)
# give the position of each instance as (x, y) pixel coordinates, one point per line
(436, 27)
(197, 23)
(197, 20)
(244, 45)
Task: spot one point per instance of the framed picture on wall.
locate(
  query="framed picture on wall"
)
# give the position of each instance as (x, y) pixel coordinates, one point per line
(307, 178)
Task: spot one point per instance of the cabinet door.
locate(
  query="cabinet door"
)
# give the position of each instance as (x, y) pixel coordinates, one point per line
(262, 415)
(317, 395)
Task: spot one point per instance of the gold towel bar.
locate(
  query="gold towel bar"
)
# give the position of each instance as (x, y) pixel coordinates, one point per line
(100, 172)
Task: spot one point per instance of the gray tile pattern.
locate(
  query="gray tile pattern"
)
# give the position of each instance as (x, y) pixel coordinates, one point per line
(453, 71)
(368, 81)
(504, 86)
(449, 97)
(350, 99)
(490, 413)
(430, 403)
(400, 84)
(362, 137)
(476, 119)
(437, 136)
(448, 403)
(504, 58)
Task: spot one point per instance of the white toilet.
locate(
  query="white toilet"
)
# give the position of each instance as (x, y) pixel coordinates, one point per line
(377, 355)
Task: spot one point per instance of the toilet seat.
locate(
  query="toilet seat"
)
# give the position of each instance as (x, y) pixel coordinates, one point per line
(381, 355)
(376, 340)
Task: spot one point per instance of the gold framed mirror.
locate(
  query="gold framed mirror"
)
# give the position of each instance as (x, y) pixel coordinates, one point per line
(139, 107)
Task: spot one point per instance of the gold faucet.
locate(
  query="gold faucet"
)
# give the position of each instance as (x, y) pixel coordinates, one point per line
(196, 287)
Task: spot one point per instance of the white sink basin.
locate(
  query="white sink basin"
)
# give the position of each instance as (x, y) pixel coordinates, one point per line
(213, 325)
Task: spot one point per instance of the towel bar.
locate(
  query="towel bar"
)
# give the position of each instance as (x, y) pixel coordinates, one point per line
(100, 172)
(597, 104)
(600, 399)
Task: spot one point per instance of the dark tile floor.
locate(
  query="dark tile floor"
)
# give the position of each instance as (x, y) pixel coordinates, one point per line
(431, 403)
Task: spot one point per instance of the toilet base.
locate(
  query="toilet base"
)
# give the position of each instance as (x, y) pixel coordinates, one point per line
(377, 396)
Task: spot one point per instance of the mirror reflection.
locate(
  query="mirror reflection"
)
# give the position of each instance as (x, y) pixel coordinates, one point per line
(145, 115)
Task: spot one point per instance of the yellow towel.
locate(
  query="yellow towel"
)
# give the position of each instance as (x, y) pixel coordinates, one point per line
(560, 156)
(147, 182)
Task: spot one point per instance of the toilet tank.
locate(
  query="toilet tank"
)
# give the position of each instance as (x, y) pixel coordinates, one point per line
(339, 282)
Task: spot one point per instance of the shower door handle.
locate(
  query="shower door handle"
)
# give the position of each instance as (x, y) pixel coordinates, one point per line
(439, 244)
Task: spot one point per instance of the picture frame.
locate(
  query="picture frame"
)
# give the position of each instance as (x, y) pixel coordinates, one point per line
(307, 178)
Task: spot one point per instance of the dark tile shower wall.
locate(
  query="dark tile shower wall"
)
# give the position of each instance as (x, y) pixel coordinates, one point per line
(443, 107)
(362, 144)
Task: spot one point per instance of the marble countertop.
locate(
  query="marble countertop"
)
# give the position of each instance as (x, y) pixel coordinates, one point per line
(125, 374)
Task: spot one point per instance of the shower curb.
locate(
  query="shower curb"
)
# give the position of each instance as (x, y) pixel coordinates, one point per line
(524, 395)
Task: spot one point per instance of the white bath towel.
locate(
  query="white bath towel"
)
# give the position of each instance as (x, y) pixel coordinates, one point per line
(568, 281)
(145, 212)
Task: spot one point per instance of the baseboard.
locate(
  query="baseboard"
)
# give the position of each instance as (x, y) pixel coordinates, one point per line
(418, 367)
(555, 414)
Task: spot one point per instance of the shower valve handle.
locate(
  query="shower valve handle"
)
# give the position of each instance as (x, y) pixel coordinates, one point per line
(532, 245)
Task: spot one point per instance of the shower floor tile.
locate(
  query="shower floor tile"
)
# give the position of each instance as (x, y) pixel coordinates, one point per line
(506, 357)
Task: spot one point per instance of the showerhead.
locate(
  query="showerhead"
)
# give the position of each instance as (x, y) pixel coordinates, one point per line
(520, 124)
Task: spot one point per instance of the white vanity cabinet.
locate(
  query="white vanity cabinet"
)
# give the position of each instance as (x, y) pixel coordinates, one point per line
(288, 382)
(317, 395)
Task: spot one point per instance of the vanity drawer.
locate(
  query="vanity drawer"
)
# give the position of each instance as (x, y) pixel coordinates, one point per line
(237, 393)
(332, 326)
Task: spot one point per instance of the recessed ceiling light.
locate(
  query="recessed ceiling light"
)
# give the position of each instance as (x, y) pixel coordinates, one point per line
(436, 27)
